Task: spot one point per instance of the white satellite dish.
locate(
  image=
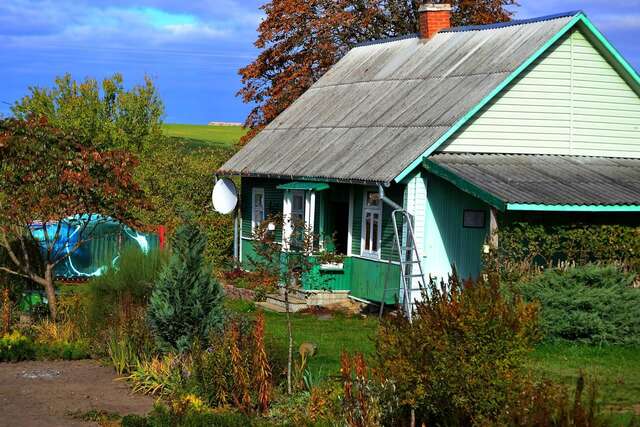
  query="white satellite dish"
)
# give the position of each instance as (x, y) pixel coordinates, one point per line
(224, 196)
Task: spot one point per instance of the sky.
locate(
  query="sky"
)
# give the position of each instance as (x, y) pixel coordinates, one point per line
(192, 49)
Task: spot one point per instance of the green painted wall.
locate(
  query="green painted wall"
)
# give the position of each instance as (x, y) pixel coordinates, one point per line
(369, 278)
(388, 250)
(447, 241)
(319, 279)
(572, 101)
(273, 205)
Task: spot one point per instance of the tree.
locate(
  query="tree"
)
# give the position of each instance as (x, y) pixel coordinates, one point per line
(186, 303)
(289, 266)
(108, 115)
(56, 189)
(301, 39)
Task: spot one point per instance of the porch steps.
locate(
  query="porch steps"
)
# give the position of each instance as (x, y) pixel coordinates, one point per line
(271, 307)
(277, 300)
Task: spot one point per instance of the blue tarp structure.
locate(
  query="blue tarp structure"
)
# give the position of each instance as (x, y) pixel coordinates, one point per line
(107, 238)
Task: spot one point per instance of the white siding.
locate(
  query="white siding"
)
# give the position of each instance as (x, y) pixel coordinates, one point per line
(416, 205)
(571, 102)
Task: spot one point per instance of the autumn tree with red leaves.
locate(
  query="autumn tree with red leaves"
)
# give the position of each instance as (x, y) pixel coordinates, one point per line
(54, 185)
(300, 40)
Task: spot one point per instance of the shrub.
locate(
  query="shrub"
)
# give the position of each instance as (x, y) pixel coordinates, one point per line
(186, 303)
(75, 350)
(590, 304)
(457, 361)
(15, 347)
(235, 369)
(158, 376)
(363, 398)
(123, 287)
(116, 303)
(526, 247)
(162, 416)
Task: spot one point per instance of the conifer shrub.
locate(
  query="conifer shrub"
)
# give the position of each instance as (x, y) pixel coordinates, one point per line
(589, 304)
(463, 353)
(186, 302)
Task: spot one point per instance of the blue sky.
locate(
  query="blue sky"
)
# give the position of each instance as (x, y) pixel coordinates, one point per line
(192, 49)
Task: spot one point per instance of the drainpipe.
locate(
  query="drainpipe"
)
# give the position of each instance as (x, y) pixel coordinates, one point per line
(387, 200)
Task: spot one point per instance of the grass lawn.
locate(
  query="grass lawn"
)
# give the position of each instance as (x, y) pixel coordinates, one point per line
(616, 369)
(205, 135)
(332, 336)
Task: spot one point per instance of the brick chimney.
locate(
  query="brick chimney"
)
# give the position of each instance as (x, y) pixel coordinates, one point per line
(433, 18)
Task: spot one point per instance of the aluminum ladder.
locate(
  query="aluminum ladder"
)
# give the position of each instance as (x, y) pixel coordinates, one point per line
(410, 263)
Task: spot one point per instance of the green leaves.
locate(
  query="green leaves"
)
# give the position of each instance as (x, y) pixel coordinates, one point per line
(103, 115)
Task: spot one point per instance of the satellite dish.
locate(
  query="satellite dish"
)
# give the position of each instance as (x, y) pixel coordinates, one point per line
(224, 196)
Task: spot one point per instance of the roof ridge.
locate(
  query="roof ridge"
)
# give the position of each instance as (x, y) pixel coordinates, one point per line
(386, 40)
(512, 23)
(465, 28)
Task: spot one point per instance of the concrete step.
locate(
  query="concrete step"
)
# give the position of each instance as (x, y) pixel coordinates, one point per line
(271, 307)
(295, 304)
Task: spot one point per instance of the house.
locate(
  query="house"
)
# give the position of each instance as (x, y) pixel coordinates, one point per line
(464, 128)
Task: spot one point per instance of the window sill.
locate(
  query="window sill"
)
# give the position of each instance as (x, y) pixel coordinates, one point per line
(332, 267)
(370, 255)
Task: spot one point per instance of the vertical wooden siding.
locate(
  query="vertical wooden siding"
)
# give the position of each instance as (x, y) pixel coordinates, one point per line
(447, 241)
(571, 102)
(273, 206)
(387, 248)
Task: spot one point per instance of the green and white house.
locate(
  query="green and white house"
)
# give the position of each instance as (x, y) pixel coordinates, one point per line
(464, 129)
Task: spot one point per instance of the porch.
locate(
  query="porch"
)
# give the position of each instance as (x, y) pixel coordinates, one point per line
(349, 224)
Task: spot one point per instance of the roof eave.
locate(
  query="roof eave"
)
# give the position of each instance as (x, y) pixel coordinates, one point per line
(533, 207)
(354, 181)
(464, 185)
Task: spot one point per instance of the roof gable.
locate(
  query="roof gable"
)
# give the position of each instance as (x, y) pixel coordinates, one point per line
(571, 101)
(580, 20)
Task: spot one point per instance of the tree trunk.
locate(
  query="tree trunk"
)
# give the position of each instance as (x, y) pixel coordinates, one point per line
(290, 355)
(51, 292)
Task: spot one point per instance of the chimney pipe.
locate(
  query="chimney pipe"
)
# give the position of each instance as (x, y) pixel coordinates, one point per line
(433, 18)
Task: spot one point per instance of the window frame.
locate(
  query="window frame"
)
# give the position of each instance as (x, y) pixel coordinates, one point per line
(254, 192)
(303, 211)
(474, 211)
(373, 210)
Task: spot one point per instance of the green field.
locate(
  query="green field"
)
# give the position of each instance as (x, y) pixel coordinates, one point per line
(615, 369)
(204, 135)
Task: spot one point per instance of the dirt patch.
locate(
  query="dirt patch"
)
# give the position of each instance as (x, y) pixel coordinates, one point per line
(46, 393)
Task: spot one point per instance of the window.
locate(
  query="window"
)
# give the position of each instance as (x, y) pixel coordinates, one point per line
(257, 207)
(297, 223)
(297, 206)
(371, 224)
(473, 218)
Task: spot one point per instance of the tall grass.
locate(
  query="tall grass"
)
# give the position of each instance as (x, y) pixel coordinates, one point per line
(116, 304)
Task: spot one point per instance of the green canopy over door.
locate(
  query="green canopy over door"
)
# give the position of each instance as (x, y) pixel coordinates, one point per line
(304, 185)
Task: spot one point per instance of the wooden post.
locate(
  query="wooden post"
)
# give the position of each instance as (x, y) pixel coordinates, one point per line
(493, 228)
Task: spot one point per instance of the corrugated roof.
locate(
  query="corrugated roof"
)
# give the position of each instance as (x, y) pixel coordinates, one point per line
(548, 179)
(383, 105)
